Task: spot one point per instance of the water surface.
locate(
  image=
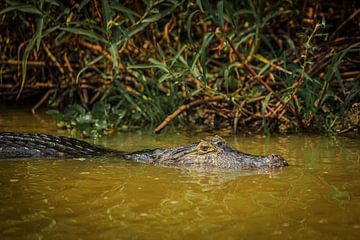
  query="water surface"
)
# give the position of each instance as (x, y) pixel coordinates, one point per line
(317, 197)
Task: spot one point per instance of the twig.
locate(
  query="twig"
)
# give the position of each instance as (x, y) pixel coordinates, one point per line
(345, 22)
(347, 130)
(67, 63)
(42, 100)
(266, 61)
(253, 73)
(96, 48)
(261, 81)
(53, 58)
(18, 62)
(182, 108)
(32, 86)
(95, 97)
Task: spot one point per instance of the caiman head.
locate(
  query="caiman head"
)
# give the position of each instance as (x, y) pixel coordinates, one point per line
(215, 153)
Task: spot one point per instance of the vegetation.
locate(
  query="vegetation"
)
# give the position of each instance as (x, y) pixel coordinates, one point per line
(261, 65)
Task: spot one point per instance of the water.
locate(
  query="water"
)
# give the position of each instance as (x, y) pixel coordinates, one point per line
(317, 197)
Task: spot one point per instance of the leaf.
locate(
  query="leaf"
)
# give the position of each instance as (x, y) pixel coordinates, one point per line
(205, 7)
(88, 65)
(207, 39)
(332, 68)
(198, 2)
(243, 12)
(26, 8)
(113, 50)
(155, 64)
(54, 113)
(83, 3)
(135, 30)
(100, 107)
(53, 2)
(161, 14)
(89, 34)
(298, 70)
(38, 34)
(189, 22)
(291, 43)
(24, 61)
(273, 15)
(203, 65)
(177, 56)
(265, 67)
(196, 92)
(164, 77)
(140, 66)
(128, 12)
(106, 13)
(160, 52)
(74, 109)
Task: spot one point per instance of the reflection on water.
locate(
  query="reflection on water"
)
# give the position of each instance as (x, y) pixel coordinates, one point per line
(317, 197)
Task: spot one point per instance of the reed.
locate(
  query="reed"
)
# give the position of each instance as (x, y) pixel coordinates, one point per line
(234, 65)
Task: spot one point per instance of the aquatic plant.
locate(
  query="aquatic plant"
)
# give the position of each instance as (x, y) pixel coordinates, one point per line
(228, 64)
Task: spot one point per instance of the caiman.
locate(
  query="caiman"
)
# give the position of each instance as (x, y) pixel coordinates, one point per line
(215, 153)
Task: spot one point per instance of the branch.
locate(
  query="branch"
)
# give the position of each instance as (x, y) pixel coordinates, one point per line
(182, 108)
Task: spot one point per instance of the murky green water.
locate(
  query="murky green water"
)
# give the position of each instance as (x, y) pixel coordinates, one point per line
(317, 197)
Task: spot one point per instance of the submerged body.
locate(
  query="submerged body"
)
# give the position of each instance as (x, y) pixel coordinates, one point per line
(215, 153)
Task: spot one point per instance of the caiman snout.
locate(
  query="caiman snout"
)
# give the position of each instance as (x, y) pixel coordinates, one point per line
(276, 161)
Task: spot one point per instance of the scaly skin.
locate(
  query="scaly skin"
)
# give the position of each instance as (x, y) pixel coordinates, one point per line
(215, 153)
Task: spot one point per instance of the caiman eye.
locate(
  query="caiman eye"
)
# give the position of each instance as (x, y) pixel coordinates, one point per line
(204, 148)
